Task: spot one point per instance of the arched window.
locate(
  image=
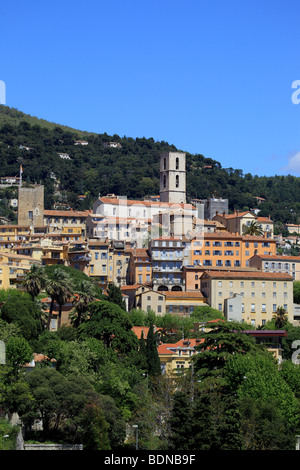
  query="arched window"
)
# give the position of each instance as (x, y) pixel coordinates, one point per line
(177, 181)
(177, 163)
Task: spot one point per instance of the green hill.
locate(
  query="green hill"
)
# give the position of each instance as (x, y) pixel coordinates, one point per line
(131, 169)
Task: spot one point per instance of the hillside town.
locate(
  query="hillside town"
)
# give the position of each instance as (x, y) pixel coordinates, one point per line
(165, 255)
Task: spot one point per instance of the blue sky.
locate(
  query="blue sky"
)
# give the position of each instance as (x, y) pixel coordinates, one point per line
(210, 77)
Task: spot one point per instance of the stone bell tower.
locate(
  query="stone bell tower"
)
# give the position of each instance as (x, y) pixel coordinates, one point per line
(173, 177)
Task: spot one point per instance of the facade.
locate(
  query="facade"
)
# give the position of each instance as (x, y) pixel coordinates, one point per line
(248, 296)
(175, 357)
(139, 267)
(13, 268)
(59, 221)
(169, 255)
(120, 218)
(208, 208)
(31, 206)
(239, 221)
(228, 250)
(277, 264)
(183, 303)
(173, 178)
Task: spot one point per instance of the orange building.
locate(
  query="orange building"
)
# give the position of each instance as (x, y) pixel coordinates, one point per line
(227, 250)
(139, 266)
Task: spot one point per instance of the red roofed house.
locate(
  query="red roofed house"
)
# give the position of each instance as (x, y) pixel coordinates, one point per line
(175, 357)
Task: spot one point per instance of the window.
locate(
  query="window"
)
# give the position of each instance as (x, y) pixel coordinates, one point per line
(220, 307)
(263, 308)
(252, 308)
(30, 214)
(220, 284)
(274, 307)
(177, 181)
(177, 163)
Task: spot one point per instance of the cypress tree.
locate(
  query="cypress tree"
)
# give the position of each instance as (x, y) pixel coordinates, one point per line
(152, 353)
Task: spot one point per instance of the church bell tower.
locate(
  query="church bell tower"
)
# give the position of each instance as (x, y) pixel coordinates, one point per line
(173, 178)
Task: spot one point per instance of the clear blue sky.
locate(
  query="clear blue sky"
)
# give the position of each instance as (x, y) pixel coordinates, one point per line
(210, 77)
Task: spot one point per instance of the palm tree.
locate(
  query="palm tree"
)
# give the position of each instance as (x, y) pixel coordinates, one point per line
(280, 318)
(35, 281)
(253, 229)
(60, 288)
(82, 298)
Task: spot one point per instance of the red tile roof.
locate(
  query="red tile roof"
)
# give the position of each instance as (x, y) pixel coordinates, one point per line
(55, 213)
(130, 202)
(247, 275)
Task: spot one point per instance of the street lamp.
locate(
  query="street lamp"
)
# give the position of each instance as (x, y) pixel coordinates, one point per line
(6, 435)
(136, 436)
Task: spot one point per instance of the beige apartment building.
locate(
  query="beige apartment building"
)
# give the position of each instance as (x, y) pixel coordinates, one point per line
(277, 264)
(59, 221)
(251, 297)
(13, 268)
(239, 221)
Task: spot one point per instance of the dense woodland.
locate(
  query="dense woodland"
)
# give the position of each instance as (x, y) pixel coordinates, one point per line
(131, 170)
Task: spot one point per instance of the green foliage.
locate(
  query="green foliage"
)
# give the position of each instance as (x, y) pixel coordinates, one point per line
(109, 323)
(132, 169)
(6, 429)
(224, 340)
(114, 295)
(296, 292)
(257, 376)
(23, 313)
(153, 362)
(206, 313)
(18, 353)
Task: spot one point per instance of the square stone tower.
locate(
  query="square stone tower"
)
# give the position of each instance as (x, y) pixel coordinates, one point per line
(173, 177)
(31, 206)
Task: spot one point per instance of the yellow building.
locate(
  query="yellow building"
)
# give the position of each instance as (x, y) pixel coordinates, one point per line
(13, 268)
(10, 235)
(59, 220)
(140, 266)
(175, 357)
(57, 253)
(238, 222)
(72, 233)
(248, 296)
(183, 303)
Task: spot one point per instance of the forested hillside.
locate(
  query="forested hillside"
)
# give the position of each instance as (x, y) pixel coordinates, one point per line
(132, 169)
